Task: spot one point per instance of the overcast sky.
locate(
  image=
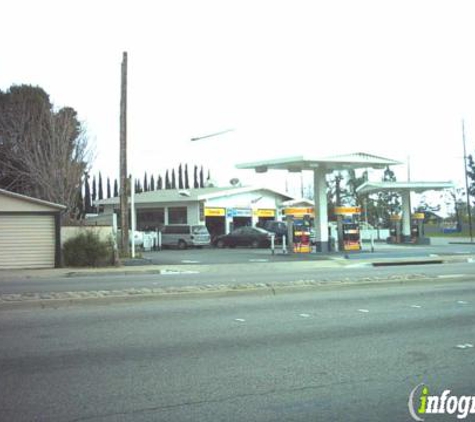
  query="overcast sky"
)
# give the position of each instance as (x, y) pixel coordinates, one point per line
(390, 78)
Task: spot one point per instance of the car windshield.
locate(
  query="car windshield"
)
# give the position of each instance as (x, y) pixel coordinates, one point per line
(200, 230)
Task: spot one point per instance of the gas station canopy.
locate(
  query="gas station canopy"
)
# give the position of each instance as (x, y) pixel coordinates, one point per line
(418, 187)
(335, 162)
(320, 167)
(404, 189)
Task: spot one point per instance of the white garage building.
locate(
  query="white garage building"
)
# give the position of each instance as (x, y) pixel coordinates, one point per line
(30, 231)
(221, 209)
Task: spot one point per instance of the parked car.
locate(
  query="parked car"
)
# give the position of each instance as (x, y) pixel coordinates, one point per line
(244, 236)
(185, 235)
(279, 228)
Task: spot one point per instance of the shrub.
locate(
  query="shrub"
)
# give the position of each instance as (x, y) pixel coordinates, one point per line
(87, 250)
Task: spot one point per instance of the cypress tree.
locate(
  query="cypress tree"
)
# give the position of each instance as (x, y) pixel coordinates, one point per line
(87, 194)
(167, 181)
(187, 180)
(202, 178)
(152, 183)
(173, 179)
(116, 188)
(145, 182)
(180, 177)
(108, 187)
(196, 183)
(100, 191)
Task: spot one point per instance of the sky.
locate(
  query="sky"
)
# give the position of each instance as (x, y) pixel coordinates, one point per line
(316, 78)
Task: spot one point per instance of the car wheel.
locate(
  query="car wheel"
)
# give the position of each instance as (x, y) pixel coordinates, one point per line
(220, 243)
(181, 244)
(255, 244)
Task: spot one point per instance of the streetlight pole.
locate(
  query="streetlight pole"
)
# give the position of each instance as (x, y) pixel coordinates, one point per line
(469, 212)
(211, 135)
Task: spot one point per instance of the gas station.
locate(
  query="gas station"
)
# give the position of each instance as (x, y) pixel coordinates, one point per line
(321, 167)
(326, 165)
(406, 228)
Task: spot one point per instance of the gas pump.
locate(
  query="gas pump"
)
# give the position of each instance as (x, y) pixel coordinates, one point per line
(349, 236)
(395, 227)
(417, 228)
(302, 235)
(299, 221)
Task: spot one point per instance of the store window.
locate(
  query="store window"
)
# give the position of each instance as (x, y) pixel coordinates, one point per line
(177, 215)
(150, 219)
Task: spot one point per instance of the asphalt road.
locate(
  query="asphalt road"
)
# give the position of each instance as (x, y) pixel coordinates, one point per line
(339, 354)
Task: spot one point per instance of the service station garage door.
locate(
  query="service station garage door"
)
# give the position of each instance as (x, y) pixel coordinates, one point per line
(27, 241)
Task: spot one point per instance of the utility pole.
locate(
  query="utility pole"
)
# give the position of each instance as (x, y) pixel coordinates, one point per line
(469, 211)
(124, 206)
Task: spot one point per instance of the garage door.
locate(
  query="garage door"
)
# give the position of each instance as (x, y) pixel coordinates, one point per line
(27, 241)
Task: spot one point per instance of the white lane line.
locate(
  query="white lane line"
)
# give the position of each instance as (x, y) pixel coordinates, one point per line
(240, 320)
(462, 302)
(189, 261)
(365, 311)
(416, 306)
(304, 315)
(464, 346)
(258, 260)
(451, 276)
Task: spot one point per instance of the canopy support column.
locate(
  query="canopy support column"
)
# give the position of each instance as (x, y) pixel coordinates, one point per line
(321, 209)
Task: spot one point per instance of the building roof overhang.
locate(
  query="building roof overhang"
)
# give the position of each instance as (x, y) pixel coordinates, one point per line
(32, 200)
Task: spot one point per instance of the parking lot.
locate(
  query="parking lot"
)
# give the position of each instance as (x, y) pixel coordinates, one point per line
(211, 255)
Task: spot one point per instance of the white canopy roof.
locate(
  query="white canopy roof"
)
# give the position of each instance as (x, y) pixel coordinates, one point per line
(336, 162)
(370, 187)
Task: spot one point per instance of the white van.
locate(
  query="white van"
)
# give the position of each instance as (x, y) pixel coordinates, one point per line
(185, 235)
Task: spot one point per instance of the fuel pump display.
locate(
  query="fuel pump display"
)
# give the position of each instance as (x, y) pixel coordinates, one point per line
(299, 221)
(349, 236)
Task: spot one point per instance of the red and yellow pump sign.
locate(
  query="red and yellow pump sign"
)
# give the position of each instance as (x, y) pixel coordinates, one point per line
(347, 210)
(299, 212)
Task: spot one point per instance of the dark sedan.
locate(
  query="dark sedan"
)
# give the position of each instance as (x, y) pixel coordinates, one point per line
(245, 236)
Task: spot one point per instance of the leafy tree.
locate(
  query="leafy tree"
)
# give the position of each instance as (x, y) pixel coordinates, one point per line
(43, 151)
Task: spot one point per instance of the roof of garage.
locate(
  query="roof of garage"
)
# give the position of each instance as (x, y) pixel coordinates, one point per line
(17, 202)
(187, 195)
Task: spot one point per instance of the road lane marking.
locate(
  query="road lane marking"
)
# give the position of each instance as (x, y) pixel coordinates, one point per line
(240, 320)
(416, 306)
(189, 261)
(304, 315)
(451, 276)
(464, 346)
(462, 302)
(258, 260)
(365, 311)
